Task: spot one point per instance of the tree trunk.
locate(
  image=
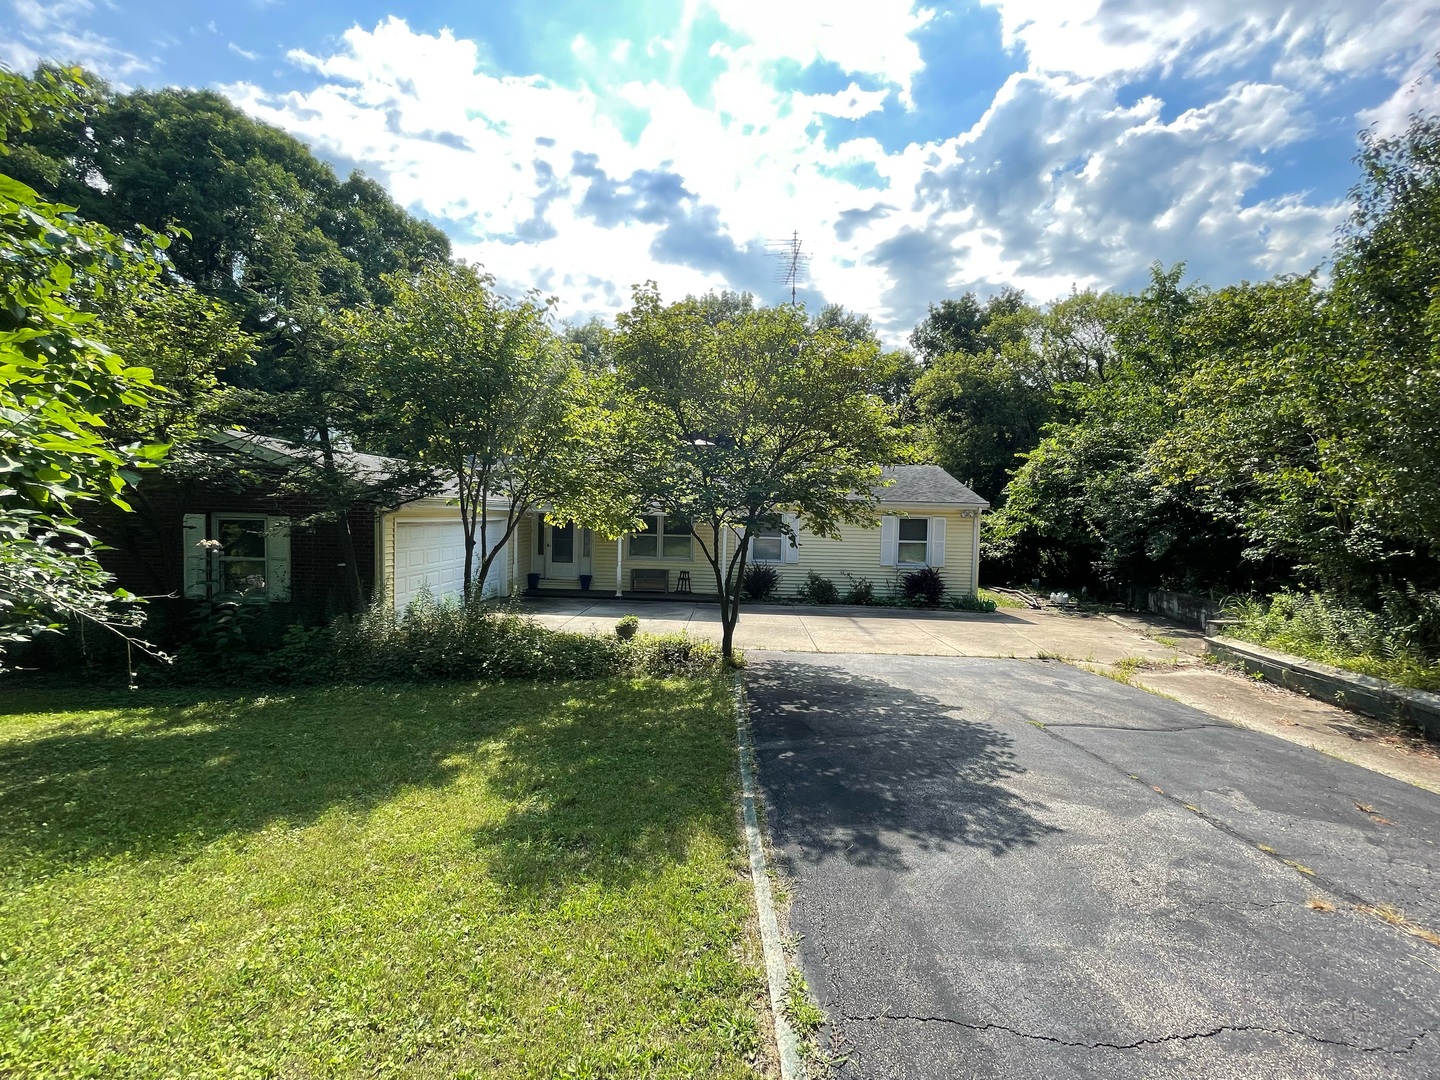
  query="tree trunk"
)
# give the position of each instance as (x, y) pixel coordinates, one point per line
(469, 560)
(352, 565)
(353, 590)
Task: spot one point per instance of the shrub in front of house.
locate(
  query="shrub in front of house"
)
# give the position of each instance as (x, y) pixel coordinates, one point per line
(861, 591)
(761, 581)
(818, 590)
(924, 587)
(449, 640)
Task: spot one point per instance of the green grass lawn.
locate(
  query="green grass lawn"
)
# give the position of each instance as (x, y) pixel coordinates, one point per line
(449, 881)
(1002, 600)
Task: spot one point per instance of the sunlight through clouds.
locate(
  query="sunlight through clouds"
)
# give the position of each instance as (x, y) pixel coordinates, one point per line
(918, 149)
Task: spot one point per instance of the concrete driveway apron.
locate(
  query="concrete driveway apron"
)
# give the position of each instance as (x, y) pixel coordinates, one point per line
(1011, 868)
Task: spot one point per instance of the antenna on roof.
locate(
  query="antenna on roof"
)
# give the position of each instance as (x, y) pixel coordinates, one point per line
(793, 261)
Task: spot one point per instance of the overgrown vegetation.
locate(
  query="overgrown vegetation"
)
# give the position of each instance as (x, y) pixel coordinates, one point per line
(498, 881)
(443, 639)
(1247, 439)
(972, 602)
(861, 591)
(1396, 643)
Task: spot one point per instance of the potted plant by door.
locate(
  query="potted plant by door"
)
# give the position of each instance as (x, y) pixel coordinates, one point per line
(585, 580)
(532, 582)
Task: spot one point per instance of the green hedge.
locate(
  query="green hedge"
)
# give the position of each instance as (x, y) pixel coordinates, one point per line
(438, 640)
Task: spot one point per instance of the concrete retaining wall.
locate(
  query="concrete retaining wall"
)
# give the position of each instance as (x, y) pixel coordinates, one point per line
(1193, 611)
(1358, 693)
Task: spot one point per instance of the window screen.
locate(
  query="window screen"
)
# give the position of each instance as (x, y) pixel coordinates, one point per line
(914, 540)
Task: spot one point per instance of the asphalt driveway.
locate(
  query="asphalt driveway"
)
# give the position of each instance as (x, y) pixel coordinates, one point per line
(1011, 868)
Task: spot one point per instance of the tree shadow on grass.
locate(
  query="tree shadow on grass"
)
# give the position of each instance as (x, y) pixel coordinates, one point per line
(855, 767)
(605, 780)
(617, 788)
(162, 773)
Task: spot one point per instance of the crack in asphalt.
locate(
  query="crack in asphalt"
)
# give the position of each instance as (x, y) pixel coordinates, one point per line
(1122, 727)
(1414, 1040)
(1321, 882)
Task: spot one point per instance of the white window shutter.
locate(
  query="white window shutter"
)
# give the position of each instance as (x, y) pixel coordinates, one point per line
(937, 541)
(889, 539)
(789, 552)
(196, 558)
(277, 559)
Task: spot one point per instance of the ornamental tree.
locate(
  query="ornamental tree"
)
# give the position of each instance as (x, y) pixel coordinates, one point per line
(747, 419)
(481, 387)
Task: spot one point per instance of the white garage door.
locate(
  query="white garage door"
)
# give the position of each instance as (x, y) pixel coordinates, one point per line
(432, 553)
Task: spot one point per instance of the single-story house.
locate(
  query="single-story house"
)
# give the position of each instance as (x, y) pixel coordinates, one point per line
(230, 526)
(204, 539)
(927, 518)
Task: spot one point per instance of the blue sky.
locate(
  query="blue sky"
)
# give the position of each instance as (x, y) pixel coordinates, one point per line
(918, 150)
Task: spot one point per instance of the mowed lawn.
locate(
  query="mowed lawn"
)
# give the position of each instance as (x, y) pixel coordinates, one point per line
(448, 881)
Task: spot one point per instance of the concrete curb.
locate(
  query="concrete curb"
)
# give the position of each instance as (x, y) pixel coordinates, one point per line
(792, 1067)
(1347, 689)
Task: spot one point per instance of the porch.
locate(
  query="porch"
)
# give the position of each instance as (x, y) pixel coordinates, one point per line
(565, 560)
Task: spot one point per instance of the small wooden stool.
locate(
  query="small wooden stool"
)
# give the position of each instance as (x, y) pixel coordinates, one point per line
(682, 583)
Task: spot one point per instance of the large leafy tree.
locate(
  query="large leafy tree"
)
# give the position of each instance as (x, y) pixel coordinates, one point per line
(481, 388)
(1091, 501)
(59, 387)
(749, 418)
(270, 233)
(1381, 361)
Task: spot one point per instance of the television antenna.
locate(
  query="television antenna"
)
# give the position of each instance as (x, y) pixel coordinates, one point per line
(794, 261)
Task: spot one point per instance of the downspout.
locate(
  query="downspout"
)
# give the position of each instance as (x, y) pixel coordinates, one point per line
(514, 560)
(619, 565)
(379, 591)
(975, 553)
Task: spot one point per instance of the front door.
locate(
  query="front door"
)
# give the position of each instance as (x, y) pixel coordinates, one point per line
(562, 557)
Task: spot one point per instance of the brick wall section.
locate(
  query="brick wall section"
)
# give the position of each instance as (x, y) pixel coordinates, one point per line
(145, 547)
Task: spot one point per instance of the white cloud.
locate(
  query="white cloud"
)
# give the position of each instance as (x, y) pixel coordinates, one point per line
(496, 156)
(1059, 183)
(1066, 178)
(1418, 92)
(871, 37)
(53, 32)
(245, 54)
(1113, 39)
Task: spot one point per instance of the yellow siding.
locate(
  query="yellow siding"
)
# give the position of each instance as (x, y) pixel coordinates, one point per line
(386, 587)
(857, 553)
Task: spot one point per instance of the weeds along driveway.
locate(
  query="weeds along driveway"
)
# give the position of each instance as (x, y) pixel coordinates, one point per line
(1017, 869)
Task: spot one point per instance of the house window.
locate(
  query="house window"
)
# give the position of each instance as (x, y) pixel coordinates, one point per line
(767, 545)
(242, 560)
(676, 540)
(661, 539)
(646, 543)
(914, 549)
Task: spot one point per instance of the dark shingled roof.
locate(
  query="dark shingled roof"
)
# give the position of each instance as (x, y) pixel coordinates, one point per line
(926, 485)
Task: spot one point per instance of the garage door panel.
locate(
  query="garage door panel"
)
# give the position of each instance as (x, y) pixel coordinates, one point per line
(432, 555)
